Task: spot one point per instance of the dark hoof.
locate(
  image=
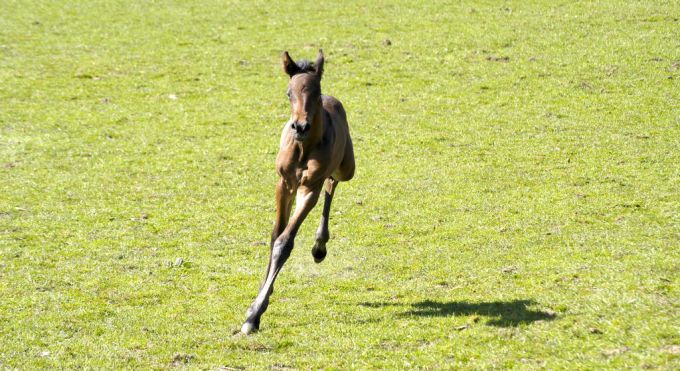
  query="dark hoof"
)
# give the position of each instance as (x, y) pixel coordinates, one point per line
(319, 253)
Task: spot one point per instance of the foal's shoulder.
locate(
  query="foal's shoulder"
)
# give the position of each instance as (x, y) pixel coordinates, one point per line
(333, 106)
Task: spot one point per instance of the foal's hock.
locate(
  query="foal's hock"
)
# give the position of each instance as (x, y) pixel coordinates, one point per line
(315, 153)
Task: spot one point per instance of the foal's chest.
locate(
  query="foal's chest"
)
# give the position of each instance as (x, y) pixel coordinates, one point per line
(304, 174)
(299, 174)
(298, 168)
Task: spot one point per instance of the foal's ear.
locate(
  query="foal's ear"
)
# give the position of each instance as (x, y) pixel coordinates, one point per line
(319, 63)
(289, 65)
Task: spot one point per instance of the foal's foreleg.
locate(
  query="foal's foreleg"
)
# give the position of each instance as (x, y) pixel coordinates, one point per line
(284, 201)
(281, 249)
(322, 234)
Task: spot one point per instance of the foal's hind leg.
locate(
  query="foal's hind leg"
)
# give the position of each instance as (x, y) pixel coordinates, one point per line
(322, 235)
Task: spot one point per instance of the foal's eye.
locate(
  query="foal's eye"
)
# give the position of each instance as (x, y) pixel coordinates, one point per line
(288, 94)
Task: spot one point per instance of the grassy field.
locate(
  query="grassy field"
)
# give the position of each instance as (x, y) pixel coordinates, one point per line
(516, 203)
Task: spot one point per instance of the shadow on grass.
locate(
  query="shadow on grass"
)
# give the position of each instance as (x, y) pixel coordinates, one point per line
(502, 313)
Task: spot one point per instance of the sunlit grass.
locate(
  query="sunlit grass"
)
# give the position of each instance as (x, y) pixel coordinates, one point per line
(515, 204)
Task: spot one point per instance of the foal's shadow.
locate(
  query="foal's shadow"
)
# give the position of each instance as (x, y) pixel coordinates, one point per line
(502, 313)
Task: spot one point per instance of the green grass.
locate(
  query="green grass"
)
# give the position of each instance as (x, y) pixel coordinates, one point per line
(516, 203)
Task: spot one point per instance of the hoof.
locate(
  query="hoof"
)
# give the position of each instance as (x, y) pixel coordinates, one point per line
(248, 328)
(319, 253)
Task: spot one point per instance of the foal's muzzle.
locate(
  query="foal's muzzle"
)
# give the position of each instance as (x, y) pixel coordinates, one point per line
(300, 130)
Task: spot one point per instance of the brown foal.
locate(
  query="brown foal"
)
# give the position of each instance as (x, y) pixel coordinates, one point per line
(315, 149)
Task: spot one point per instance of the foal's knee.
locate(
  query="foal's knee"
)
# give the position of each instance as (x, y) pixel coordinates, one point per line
(281, 249)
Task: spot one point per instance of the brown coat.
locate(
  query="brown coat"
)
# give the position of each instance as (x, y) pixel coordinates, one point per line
(315, 148)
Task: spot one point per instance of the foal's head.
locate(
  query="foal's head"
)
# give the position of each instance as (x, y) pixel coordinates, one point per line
(304, 92)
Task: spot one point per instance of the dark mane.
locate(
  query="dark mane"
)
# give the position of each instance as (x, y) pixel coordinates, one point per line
(305, 66)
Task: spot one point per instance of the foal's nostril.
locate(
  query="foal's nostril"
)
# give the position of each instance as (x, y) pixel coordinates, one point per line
(300, 127)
